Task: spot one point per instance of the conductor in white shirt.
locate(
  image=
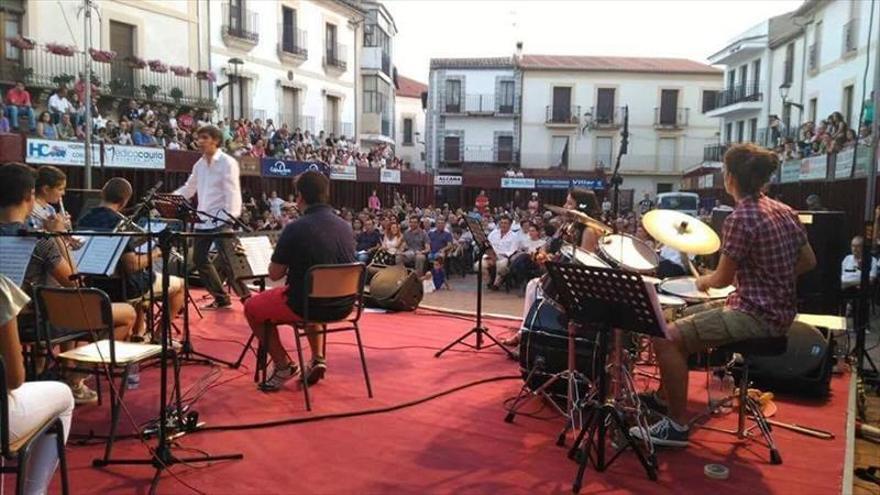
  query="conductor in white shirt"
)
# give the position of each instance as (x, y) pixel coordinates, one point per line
(851, 267)
(215, 179)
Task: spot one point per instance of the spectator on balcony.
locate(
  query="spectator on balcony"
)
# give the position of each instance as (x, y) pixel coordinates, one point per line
(102, 136)
(4, 120)
(161, 138)
(99, 121)
(270, 128)
(281, 141)
(204, 119)
(123, 135)
(18, 101)
(45, 128)
(167, 116)
(185, 120)
(173, 143)
(865, 134)
(838, 130)
(132, 113)
(147, 114)
(80, 89)
(259, 149)
(59, 105)
(851, 138)
(777, 130)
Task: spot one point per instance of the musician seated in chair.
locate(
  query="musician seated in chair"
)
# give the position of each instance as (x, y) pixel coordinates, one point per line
(765, 249)
(50, 260)
(318, 237)
(136, 266)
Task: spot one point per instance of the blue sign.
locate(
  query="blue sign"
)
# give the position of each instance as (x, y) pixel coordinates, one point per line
(598, 184)
(272, 167)
(552, 183)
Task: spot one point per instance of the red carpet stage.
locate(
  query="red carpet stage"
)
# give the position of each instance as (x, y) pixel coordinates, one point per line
(457, 443)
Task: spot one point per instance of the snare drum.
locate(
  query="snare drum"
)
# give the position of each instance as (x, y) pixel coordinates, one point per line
(672, 306)
(571, 254)
(686, 288)
(628, 253)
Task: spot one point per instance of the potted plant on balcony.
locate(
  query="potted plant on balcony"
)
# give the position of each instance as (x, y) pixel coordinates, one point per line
(157, 66)
(176, 94)
(62, 79)
(60, 49)
(150, 90)
(135, 62)
(181, 71)
(105, 56)
(21, 42)
(206, 75)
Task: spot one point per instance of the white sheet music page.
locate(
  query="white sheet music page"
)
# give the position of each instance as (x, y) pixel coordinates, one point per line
(101, 255)
(15, 255)
(258, 251)
(77, 254)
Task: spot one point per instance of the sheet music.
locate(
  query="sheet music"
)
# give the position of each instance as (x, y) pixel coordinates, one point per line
(258, 251)
(77, 254)
(15, 255)
(658, 310)
(101, 255)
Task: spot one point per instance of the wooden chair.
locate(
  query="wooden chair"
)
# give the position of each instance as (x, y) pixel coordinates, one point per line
(326, 286)
(19, 451)
(90, 310)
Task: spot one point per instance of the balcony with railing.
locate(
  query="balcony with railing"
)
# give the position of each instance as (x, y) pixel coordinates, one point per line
(714, 152)
(335, 56)
(292, 44)
(562, 116)
(337, 128)
(455, 157)
(239, 27)
(296, 121)
(850, 37)
(745, 91)
(670, 118)
(42, 70)
(606, 118)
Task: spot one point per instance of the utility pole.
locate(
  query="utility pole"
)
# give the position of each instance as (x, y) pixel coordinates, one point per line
(87, 44)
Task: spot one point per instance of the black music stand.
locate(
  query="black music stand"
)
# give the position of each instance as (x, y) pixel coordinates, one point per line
(483, 245)
(607, 300)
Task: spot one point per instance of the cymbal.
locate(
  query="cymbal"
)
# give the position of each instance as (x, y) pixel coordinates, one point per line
(581, 218)
(681, 232)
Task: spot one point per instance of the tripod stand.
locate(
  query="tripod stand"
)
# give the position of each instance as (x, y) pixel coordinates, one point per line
(608, 300)
(479, 331)
(162, 456)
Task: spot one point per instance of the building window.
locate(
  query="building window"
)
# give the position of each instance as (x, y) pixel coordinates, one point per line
(813, 109)
(10, 27)
(605, 106)
(504, 150)
(330, 43)
(788, 75)
(663, 187)
(408, 131)
(505, 99)
(561, 104)
(728, 132)
(376, 92)
(288, 30)
(710, 100)
(668, 107)
(453, 96)
(559, 147)
(753, 130)
(848, 105)
(452, 149)
(740, 131)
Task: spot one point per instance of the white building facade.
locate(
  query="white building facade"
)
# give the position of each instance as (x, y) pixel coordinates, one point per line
(410, 125)
(293, 61)
(377, 76)
(572, 116)
(473, 113)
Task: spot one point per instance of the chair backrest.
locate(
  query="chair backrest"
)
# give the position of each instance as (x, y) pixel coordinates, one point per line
(74, 310)
(335, 286)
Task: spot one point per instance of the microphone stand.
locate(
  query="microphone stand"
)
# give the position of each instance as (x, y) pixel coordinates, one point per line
(616, 178)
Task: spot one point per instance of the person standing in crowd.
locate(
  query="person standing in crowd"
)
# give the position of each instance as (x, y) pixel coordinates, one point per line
(765, 248)
(373, 202)
(417, 246)
(275, 204)
(534, 205)
(482, 203)
(319, 237)
(18, 101)
(645, 205)
(215, 178)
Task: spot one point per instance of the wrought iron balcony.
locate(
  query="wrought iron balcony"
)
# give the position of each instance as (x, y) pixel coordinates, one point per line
(562, 115)
(479, 154)
(292, 43)
(337, 128)
(296, 121)
(335, 56)
(240, 24)
(607, 118)
(670, 118)
(738, 93)
(714, 152)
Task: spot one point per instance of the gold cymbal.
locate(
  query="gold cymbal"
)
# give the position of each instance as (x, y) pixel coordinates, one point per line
(681, 232)
(581, 218)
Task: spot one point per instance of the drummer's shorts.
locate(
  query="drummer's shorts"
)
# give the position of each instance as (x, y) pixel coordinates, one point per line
(716, 326)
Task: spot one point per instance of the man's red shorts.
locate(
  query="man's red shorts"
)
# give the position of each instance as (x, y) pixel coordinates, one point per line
(270, 305)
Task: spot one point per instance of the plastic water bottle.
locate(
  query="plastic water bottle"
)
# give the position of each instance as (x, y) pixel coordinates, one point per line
(134, 377)
(716, 388)
(728, 387)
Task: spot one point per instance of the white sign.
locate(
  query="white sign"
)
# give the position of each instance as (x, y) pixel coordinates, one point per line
(517, 183)
(447, 180)
(844, 164)
(343, 172)
(116, 155)
(814, 167)
(389, 176)
(59, 152)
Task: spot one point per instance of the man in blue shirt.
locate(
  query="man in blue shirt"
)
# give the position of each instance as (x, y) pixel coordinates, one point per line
(440, 240)
(367, 241)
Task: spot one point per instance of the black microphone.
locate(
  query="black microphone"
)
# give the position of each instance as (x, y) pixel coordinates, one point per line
(151, 191)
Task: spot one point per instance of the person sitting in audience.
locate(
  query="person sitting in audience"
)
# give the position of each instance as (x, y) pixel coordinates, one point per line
(18, 101)
(851, 267)
(505, 243)
(440, 240)
(59, 105)
(133, 264)
(45, 128)
(417, 247)
(50, 260)
(392, 241)
(31, 404)
(66, 131)
(367, 241)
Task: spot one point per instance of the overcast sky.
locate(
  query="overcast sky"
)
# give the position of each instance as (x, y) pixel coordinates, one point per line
(655, 28)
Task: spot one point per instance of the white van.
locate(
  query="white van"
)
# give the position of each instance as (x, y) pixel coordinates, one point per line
(684, 202)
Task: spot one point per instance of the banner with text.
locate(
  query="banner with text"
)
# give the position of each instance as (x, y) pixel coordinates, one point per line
(119, 156)
(517, 183)
(288, 168)
(814, 168)
(343, 172)
(389, 176)
(791, 171)
(843, 164)
(552, 183)
(45, 151)
(447, 180)
(596, 184)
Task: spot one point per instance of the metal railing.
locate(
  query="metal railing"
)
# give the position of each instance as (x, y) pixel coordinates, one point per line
(714, 152)
(240, 23)
(607, 119)
(738, 93)
(296, 121)
(479, 103)
(479, 154)
(118, 78)
(670, 118)
(563, 115)
(813, 57)
(337, 128)
(292, 41)
(335, 56)
(850, 36)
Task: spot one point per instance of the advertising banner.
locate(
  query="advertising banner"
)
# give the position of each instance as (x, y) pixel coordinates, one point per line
(447, 180)
(517, 183)
(389, 176)
(119, 156)
(791, 171)
(843, 164)
(45, 151)
(343, 172)
(596, 184)
(814, 168)
(288, 168)
(552, 183)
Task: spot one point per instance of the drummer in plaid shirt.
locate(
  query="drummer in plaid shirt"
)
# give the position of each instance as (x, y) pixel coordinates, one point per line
(765, 249)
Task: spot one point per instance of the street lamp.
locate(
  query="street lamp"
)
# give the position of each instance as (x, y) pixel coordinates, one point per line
(232, 75)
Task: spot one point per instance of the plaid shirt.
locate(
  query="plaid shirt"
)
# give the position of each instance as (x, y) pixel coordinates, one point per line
(764, 237)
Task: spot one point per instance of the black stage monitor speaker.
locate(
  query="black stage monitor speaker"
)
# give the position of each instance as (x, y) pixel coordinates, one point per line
(819, 290)
(394, 288)
(804, 369)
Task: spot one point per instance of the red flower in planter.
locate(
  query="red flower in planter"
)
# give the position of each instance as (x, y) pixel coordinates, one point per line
(105, 56)
(21, 42)
(180, 70)
(135, 62)
(206, 75)
(59, 49)
(157, 66)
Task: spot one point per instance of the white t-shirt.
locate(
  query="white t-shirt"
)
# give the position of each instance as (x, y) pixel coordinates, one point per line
(275, 205)
(504, 245)
(532, 246)
(851, 272)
